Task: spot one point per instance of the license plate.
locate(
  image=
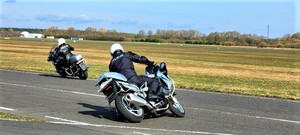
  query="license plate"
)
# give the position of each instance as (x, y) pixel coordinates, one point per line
(83, 66)
(110, 95)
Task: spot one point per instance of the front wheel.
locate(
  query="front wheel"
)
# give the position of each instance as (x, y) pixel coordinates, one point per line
(83, 75)
(133, 113)
(176, 108)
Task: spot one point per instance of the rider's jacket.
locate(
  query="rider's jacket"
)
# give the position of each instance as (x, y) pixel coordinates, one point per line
(63, 50)
(122, 62)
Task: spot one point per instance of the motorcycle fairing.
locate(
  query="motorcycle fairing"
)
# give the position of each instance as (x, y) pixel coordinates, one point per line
(75, 58)
(165, 79)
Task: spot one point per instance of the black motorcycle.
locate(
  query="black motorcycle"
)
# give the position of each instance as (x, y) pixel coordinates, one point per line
(130, 100)
(75, 67)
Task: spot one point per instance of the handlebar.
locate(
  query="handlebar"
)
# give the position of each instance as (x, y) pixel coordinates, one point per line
(153, 68)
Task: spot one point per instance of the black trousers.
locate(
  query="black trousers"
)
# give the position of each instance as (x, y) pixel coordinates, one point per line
(152, 83)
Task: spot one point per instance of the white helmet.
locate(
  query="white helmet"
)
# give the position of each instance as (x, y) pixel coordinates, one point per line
(115, 47)
(61, 41)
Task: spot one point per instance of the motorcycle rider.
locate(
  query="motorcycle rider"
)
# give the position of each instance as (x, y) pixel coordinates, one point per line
(63, 49)
(122, 62)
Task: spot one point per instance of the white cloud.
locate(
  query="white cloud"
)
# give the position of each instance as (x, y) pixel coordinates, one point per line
(67, 19)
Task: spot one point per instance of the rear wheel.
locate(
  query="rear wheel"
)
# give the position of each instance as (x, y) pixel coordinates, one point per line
(133, 113)
(61, 72)
(176, 108)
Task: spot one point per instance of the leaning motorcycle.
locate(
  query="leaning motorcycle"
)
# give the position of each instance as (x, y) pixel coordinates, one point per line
(131, 100)
(75, 67)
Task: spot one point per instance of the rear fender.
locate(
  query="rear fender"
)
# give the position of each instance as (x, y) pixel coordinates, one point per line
(109, 89)
(128, 86)
(104, 84)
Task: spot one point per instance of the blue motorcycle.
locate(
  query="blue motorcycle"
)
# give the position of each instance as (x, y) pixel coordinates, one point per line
(130, 100)
(75, 67)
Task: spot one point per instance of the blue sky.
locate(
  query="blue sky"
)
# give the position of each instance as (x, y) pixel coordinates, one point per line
(205, 16)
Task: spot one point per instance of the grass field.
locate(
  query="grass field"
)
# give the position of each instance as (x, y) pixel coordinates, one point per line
(241, 70)
(8, 116)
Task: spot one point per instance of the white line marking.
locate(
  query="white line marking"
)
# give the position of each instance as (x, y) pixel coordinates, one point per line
(182, 89)
(8, 109)
(275, 119)
(250, 116)
(140, 133)
(88, 94)
(236, 95)
(58, 90)
(72, 122)
(65, 120)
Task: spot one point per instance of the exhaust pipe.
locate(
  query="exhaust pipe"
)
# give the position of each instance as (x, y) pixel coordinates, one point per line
(137, 100)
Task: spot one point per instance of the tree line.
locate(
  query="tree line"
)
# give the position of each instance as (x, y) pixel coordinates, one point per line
(229, 38)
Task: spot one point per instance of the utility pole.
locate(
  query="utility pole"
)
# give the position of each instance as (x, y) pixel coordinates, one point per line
(268, 31)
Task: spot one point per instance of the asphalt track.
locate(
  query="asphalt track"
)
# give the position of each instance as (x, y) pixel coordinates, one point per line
(73, 106)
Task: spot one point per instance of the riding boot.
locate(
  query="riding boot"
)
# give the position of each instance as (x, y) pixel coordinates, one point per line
(153, 97)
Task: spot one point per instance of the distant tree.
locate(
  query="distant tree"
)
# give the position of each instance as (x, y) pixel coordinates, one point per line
(164, 36)
(286, 37)
(90, 33)
(229, 43)
(158, 33)
(71, 32)
(102, 30)
(231, 35)
(142, 32)
(90, 30)
(242, 41)
(140, 35)
(112, 31)
(51, 31)
(192, 34)
(296, 35)
(263, 44)
(149, 33)
(213, 37)
(11, 30)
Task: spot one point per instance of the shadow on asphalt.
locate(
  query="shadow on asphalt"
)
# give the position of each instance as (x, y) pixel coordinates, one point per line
(58, 76)
(111, 113)
(100, 112)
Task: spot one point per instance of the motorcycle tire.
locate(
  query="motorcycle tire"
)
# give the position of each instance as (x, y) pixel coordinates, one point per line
(61, 73)
(131, 112)
(83, 75)
(176, 108)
